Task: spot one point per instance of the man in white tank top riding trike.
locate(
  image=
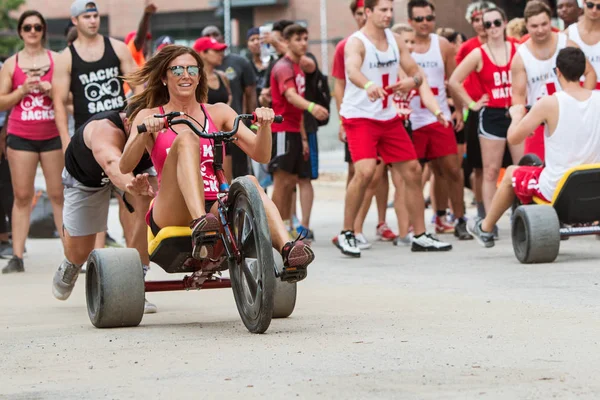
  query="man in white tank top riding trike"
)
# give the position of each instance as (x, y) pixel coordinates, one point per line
(565, 190)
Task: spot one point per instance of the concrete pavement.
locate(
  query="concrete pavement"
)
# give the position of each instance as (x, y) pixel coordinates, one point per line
(472, 323)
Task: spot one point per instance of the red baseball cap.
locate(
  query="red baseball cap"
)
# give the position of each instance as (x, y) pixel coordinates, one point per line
(131, 35)
(208, 43)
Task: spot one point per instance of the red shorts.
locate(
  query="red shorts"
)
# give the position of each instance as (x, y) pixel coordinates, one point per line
(372, 139)
(525, 181)
(434, 141)
(535, 144)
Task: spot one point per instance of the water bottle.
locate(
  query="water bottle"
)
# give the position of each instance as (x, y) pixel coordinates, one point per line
(265, 48)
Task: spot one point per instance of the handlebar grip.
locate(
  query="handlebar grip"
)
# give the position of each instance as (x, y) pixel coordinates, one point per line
(278, 118)
(142, 128)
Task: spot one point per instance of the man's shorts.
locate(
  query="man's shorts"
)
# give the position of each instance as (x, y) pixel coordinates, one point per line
(525, 182)
(313, 158)
(535, 144)
(35, 146)
(434, 141)
(373, 139)
(286, 154)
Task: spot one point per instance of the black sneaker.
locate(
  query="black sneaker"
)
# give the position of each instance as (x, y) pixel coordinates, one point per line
(428, 242)
(14, 265)
(486, 239)
(460, 230)
(6, 250)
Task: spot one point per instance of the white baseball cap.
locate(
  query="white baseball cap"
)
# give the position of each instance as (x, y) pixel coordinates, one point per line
(83, 6)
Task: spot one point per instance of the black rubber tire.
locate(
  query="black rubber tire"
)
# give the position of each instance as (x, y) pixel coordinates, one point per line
(253, 279)
(536, 234)
(284, 298)
(114, 286)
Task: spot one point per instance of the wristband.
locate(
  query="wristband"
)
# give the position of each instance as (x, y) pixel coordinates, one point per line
(465, 114)
(472, 104)
(368, 84)
(437, 113)
(254, 127)
(310, 107)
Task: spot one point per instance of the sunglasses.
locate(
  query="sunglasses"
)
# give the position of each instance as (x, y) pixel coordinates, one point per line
(192, 70)
(36, 27)
(427, 18)
(488, 24)
(591, 5)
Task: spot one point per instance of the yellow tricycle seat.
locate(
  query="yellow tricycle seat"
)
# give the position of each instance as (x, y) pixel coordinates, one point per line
(577, 195)
(171, 248)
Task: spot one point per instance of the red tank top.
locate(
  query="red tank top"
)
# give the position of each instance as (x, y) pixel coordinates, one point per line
(163, 143)
(496, 81)
(33, 117)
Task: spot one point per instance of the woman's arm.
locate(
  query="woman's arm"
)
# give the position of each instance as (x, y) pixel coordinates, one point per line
(136, 142)
(9, 97)
(467, 66)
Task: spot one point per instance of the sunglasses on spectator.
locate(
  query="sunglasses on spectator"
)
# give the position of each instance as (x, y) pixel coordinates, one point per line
(488, 24)
(427, 18)
(37, 27)
(591, 5)
(192, 70)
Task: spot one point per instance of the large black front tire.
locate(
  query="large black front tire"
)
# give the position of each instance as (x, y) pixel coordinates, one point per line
(114, 286)
(253, 277)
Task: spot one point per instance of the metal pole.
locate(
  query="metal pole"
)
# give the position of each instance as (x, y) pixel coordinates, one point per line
(227, 22)
(324, 49)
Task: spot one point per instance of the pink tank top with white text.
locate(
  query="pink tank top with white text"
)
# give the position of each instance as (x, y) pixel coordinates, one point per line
(164, 141)
(33, 117)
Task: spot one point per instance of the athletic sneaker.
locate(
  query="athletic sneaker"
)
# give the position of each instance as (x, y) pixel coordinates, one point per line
(111, 242)
(149, 308)
(384, 233)
(64, 280)
(362, 242)
(296, 256)
(404, 241)
(308, 234)
(15, 264)
(347, 244)
(460, 230)
(486, 239)
(205, 234)
(6, 249)
(443, 226)
(428, 242)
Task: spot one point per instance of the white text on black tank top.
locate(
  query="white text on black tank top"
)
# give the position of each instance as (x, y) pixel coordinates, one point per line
(103, 82)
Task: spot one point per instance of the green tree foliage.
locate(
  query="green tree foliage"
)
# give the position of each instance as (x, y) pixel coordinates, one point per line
(9, 41)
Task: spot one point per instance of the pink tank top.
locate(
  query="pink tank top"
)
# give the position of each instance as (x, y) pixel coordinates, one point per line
(33, 117)
(163, 143)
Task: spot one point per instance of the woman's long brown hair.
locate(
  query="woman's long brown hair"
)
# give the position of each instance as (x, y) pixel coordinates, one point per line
(152, 73)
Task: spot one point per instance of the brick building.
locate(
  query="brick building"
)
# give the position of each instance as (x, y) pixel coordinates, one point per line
(185, 19)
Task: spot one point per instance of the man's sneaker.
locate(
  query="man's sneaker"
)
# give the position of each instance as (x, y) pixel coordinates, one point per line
(442, 225)
(296, 256)
(205, 234)
(6, 249)
(308, 234)
(64, 280)
(111, 242)
(495, 232)
(486, 239)
(362, 242)
(15, 264)
(404, 241)
(384, 233)
(428, 242)
(335, 242)
(460, 230)
(347, 244)
(149, 308)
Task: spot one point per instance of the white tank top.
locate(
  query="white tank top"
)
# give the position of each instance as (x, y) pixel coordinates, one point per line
(575, 141)
(432, 63)
(541, 80)
(592, 52)
(381, 67)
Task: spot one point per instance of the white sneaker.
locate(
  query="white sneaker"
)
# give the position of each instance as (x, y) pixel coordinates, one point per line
(347, 244)
(64, 280)
(428, 242)
(149, 308)
(362, 242)
(404, 241)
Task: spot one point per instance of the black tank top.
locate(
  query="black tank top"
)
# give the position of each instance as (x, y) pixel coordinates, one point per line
(219, 95)
(80, 161)
(96, 86)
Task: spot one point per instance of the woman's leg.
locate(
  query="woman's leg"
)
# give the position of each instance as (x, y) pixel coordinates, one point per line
(53, 163)
(23, 166)
(492, 152)
(516, 152)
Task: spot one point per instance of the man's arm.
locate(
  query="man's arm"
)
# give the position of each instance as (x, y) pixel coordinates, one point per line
(285, 80)
(449, 55)
(519, 81)
(524, 123)
(140, 36)
(128, 64)
(61, 84)
(590, 75)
